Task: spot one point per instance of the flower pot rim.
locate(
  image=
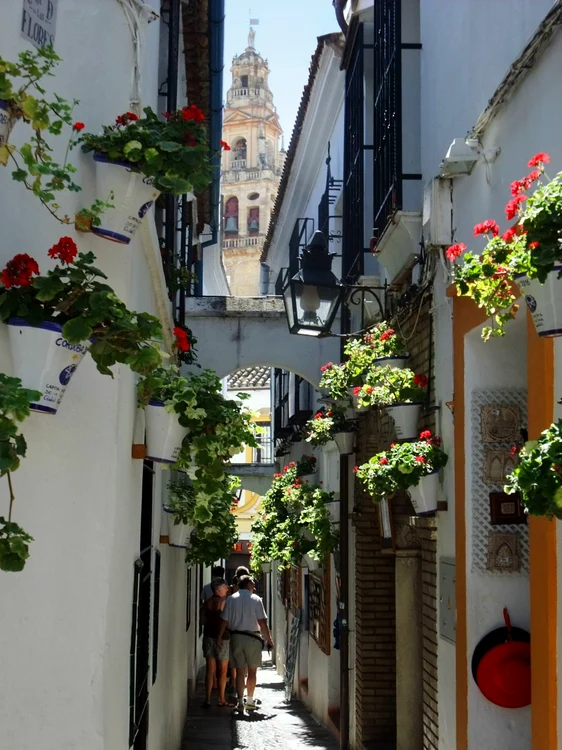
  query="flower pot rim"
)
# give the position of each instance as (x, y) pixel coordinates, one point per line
(46, 325)
(4, 104)
(104, 159)
(406, 403)
(521, 275)
(393, 356)
(352, 430)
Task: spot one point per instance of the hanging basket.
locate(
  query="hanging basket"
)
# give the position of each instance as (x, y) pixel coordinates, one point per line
(345, 441)
(544, 302)
(405, 418)
(164, 434)
(44, 360)
(6, 122)
(179, 534)
(133, 196)
(424, 496)
(398, 361)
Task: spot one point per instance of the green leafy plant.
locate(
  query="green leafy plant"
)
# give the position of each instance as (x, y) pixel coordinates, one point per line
(402, 466)
(337, 380)
(294, 522)
(218, 427)
(323, 426)
(14, 408)
(532, 246)
(214, 527)
(34, 164)
(538, 476)
(74, 295)
(174, 151)
(389, 385)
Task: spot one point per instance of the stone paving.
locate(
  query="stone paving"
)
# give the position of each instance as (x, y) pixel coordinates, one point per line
(275, 726)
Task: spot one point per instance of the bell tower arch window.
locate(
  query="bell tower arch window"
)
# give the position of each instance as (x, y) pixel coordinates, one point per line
(239, 152)
(231, 217)
(253, 221)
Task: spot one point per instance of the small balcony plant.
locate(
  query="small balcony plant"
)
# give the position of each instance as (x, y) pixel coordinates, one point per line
(406, 466)
(538, 475)
(380, 345)
(327, 424)
(14, 408)
(526, 259)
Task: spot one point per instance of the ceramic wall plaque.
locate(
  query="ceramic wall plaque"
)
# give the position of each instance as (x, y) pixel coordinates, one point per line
(500, 424)
(498, 464)
(503, 553)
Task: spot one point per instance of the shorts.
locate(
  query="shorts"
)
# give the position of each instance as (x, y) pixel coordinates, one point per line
(245, 651)
(212, 651)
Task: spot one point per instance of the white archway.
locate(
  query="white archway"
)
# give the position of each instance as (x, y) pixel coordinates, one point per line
(239, 332)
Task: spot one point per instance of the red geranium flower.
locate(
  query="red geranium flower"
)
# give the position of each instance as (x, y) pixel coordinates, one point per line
(383, 460)
(487, 226)
(192, 113)
(357, 390)
(355, 469)
(292, 464)
(509, 235)
(19, 270)
(420, 459)
(513, 450)
(513, 206)
(131, 116)
(78, 126)
(225, 145)
(455, 251)
(539, 159)
(182, 341)
(369, 389)
(534, 245)
(285, 468)
(393, 445)
(318, 415)
(425, 435)
(65, 250)
(386, 335)
(420, 381)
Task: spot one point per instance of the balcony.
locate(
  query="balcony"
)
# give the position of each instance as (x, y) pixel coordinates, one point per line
(245, 174)
(238, 164)
(244, 242)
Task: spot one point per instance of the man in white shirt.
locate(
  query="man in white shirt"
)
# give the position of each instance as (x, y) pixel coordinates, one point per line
(244, 616)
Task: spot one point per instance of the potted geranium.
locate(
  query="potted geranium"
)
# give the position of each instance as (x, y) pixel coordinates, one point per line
(337, 380)
(332, 424)
(538, 475)
(380, 345)
(401, 392)
(55, 318)
(528, 254)
(214, 527)
(406, 466)
(14, 408)
(306, 465)
(138, 158)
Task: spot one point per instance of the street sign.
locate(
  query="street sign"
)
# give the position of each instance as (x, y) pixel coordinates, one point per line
(38, 22)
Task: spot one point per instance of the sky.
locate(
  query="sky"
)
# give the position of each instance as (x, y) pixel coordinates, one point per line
(286, 36)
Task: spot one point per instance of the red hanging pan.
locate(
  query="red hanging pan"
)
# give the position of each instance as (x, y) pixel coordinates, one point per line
(501, 666)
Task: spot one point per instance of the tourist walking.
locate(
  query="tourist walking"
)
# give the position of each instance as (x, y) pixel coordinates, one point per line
(245, 617)
(207, 591)
(216, 653)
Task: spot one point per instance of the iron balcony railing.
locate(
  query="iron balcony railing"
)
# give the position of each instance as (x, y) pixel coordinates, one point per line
(263, 454)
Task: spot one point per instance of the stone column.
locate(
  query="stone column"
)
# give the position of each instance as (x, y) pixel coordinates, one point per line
(409, 650)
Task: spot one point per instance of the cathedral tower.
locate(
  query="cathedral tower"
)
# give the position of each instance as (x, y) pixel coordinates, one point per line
(251, 170)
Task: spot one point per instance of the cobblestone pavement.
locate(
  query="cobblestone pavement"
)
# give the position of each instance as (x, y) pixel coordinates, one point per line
(275, 726)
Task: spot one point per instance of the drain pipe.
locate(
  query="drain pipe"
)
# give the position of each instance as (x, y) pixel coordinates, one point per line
(339, 6)
(344, 603)
(216, 65)
(171, 106)
(264, 279)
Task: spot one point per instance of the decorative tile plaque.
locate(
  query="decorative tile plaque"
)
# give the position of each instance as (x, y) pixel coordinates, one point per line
(503, 552)
(500, 424)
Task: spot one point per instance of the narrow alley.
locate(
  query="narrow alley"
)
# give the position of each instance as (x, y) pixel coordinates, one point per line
(275, 725)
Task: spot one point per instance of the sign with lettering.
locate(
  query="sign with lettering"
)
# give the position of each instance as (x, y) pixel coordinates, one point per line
(38, 22)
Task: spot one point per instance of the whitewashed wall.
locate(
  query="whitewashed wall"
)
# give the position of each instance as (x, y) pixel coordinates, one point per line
(65, 638)
(452, 99)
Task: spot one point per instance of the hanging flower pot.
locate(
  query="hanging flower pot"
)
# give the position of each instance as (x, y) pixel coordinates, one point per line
(179, 534)
(345, 441)
(544, 302)
(424, 496)
(164, 433)
(44, 360)
(132, 196)
(405, 418)
(308, 562)
(6, 122)
(396, 360)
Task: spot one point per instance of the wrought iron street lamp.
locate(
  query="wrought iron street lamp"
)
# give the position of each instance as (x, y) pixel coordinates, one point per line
(313, 295)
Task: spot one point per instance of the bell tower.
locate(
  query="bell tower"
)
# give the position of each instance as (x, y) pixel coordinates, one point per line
(251, 170)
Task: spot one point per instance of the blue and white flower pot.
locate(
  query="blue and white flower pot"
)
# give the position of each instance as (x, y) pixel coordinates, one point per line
(424, 496)
(133, 195)
(164, 434)
(544, 302)
(44, 360)
(406, 417)
(6, 122)
(179, 534)
(397, 360)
